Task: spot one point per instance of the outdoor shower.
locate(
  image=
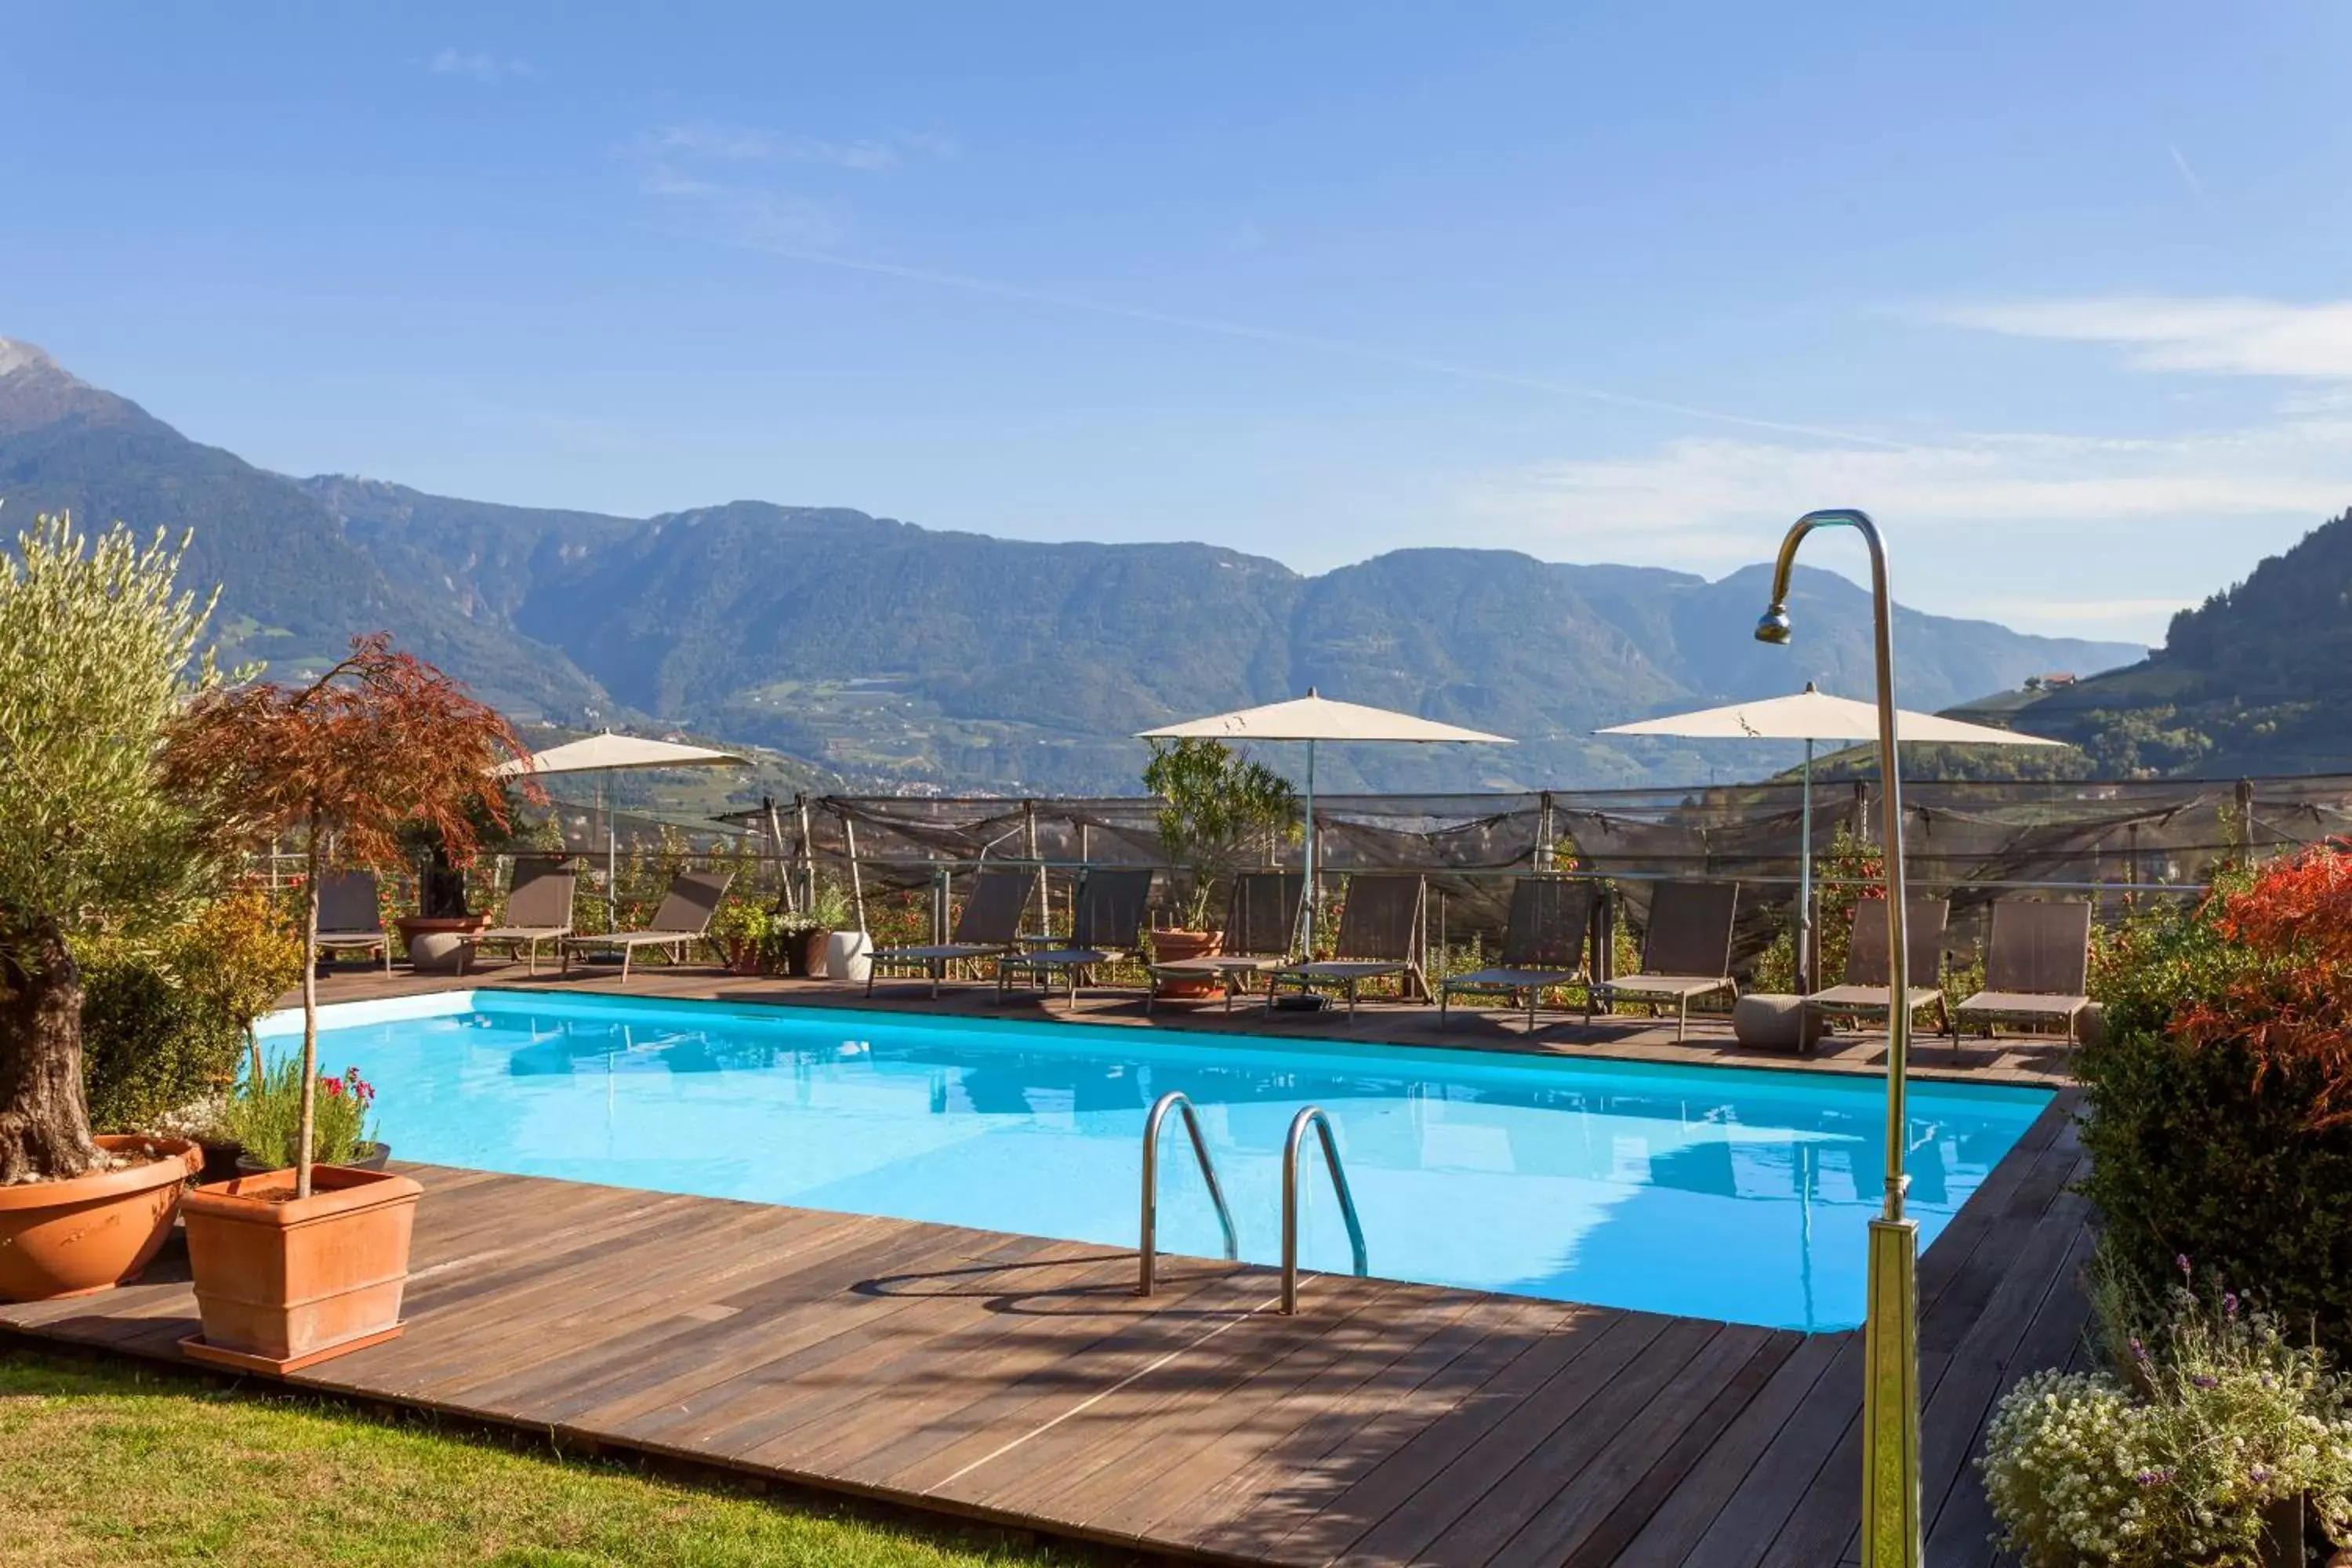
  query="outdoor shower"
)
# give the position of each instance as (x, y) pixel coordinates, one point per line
(1890, 1397)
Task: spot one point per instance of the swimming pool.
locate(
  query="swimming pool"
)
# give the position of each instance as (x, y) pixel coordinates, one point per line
(1733, 1194)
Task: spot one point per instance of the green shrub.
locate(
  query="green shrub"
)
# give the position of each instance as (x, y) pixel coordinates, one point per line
(164, 1018)
(2211, 1130)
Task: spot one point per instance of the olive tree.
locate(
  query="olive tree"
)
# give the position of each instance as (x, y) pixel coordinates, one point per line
(1217, 807)
(98, 647)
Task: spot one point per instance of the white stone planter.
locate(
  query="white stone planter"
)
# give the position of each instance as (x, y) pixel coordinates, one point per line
(848, 957)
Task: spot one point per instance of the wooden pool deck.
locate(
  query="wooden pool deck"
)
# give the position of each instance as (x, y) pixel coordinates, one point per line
(1021, 1381)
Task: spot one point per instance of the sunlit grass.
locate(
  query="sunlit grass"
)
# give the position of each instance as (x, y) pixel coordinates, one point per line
(104, 1463)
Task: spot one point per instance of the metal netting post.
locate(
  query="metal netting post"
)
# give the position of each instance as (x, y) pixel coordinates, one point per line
(856, 880)
(808, 853)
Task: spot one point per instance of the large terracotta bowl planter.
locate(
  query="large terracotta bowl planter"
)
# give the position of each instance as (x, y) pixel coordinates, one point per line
(1169, 946)
(283, 1282)
(94, 1232)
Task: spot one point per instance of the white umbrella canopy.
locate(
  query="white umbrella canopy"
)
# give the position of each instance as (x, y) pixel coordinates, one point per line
(1316, 717)
(1813, 715)
(607, 754)
(608, 751)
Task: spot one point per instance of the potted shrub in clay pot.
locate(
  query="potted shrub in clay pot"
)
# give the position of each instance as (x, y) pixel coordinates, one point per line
(804, 934)
(296, 1265)
(745, 929)
(96, 651)
(1219, 810)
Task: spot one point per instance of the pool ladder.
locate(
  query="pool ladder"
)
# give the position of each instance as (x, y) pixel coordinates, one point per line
(1293, 1146)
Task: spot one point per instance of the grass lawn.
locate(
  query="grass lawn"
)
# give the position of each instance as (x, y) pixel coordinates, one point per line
(106, 1463)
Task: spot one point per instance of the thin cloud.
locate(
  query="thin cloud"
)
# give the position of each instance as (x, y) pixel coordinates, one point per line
(2196, 185)
(1701, 501)
(743, 144)
(2223, 335)
(480, 65)
(1337, 347)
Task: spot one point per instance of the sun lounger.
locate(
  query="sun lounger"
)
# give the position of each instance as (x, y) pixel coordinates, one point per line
(1261, 922)
(989, 927)
(539, 908)
(2037, 964)
(1685, 951)
(1379, 936)
(1864, 989)
(1108, 927)
(683, 919)
(351, 916)
(1544, 945)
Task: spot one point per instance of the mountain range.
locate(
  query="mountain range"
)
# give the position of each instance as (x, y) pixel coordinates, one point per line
(888, 656)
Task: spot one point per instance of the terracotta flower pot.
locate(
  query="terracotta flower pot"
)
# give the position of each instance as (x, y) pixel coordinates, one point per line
(284, 1282)
(1169, 946)
(94, 1232)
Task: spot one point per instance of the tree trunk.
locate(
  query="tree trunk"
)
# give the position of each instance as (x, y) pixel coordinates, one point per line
(310, 1022)
(44, 1120)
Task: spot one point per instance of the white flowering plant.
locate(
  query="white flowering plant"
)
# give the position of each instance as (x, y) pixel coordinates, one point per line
(2183, 1452)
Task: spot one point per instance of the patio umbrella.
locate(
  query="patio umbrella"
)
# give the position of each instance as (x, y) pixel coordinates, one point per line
(1812, 716)
(1313, 718)
(608, 753)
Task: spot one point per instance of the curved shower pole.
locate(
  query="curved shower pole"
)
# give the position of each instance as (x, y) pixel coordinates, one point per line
(1890, 1399)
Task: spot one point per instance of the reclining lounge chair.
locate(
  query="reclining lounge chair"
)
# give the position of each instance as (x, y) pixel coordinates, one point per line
(989, 927)
(1108, 927)
(2037, 966)
(1261, 921)
(1685, 951)
(1544, 945)
(1380, 935)
(1865, 990)
(683, 919)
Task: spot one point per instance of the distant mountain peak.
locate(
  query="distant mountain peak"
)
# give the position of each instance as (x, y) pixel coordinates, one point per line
(35, 390)
(20, 358)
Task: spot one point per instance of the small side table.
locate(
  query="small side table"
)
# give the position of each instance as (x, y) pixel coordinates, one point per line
(1775, 1023)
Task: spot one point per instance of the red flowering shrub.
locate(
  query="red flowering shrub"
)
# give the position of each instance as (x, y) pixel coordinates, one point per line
(2290, 1005)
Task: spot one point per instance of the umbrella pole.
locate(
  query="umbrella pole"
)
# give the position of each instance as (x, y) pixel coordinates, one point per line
(611, 859)
(1805, 883)
(1307, 905)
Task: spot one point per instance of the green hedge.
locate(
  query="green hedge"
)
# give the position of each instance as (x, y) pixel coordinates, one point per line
(2188, 1157)
(150, 1045)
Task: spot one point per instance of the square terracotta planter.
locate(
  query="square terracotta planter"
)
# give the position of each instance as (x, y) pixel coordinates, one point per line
(283, 1282)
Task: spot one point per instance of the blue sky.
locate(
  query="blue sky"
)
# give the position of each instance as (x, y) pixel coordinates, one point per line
(2060, 293)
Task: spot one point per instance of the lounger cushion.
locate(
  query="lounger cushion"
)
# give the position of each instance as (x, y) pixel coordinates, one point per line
(1219, 964)
(1665, 984)
(942, 953)
(1869, 996)
(1345, 969)
(1513, 979)
(2023, 1003)
(1066, 957)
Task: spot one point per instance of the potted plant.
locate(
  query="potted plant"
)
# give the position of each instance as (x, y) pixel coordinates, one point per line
(743, 929)
(803, 934)
(264, 1117)
(294, 1266)
(1218, 808)
(97, 652)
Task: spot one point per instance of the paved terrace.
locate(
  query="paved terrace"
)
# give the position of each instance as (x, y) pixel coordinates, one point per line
(1018, 1380)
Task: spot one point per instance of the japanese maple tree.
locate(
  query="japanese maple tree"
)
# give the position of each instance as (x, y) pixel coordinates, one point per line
(380, 742)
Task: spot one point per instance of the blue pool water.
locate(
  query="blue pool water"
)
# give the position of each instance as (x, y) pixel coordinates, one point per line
(1722, 1192)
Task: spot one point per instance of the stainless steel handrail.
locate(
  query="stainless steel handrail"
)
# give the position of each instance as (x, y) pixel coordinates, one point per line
(1313, 1116)
(1149, 1244)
